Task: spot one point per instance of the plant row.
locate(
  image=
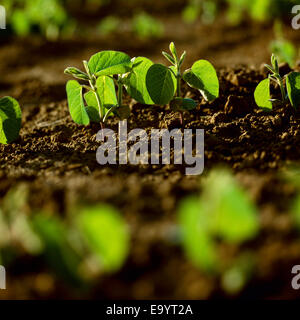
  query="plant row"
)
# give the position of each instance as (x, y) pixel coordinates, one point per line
(109, 74)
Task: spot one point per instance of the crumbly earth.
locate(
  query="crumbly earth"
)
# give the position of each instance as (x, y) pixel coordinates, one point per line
(56, 159)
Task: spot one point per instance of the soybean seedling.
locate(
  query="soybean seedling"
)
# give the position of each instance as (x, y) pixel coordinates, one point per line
(164, 83)
(103, 71)
(289, 91)
(223, 211)
(10, 120)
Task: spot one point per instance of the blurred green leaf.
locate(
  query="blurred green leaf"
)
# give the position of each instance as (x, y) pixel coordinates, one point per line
(223, 211)
(106, 235)
(197, 243)
(146, 26)
(60, 255)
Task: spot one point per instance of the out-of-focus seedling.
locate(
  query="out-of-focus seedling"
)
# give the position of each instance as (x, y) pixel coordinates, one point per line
(262, 92)
(223, 211)
(10, 120)
(93, 242)
(146, 27)
(102, 72)
(282, 48)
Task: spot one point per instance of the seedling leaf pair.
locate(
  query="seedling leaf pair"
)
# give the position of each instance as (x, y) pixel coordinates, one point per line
(101, 98)
(163, 83)
(10, 120)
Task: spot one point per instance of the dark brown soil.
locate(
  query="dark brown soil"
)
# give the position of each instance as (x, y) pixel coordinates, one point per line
(56, 159)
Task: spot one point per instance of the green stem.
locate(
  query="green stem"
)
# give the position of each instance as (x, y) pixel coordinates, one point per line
(281, 88)
(120, 92)
(178, 92)
(178, 76)
(92, 82)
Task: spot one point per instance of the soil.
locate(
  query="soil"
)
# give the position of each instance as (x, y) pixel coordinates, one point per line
(56, 160)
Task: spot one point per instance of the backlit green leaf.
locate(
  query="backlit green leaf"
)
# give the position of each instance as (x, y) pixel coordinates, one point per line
(293, 88)
(161, 84)
(106, 235)
(76, 104)
(136, 81)
(230, 213)
(108, 63)
(203, 76)
(106, 91)
(262, 95)
(10, 120)
(199, 248)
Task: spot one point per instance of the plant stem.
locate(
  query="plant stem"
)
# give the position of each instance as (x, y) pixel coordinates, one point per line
(92, 82)
(178, 92)
(281, 88)
(120, 92)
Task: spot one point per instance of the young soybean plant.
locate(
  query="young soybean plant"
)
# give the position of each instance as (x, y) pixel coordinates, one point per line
(103, 71)
(164, 83)
(290, 91)
(10, 120)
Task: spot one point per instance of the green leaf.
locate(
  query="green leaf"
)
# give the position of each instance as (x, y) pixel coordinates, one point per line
(198, 245)
(107, 91)
(203, 76)
(136, 81)
(108, 63)
(76, 73)
(161, 84)
(58, 252)
(262, 95)
(76, 104)
(92, 108)
(293, 88)
(168, 57)
(93, 113)
(10, 120)
(173, 50)
(180, 104)
(229, 212)
(106, 235)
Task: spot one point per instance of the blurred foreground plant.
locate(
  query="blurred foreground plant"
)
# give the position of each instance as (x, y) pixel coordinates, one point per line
(223, 213)
(282, 48)
(93, 241)
(48, 17)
